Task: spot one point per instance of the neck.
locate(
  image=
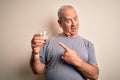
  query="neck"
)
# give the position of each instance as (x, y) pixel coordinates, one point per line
(66, 35)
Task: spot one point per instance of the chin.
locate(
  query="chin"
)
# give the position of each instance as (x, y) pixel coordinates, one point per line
(74, 34)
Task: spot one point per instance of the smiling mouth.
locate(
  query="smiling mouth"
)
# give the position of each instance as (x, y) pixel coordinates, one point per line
(73, 29)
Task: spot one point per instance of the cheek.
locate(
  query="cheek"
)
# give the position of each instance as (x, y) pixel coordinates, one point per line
(66, 27)
(78, 24)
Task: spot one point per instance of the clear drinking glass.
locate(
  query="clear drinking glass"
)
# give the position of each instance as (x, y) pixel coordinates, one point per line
(44, 34)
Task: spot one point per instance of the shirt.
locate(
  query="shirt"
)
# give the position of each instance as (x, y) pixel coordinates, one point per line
(57, 69)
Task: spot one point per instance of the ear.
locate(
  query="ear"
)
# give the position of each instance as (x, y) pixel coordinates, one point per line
(59, 22)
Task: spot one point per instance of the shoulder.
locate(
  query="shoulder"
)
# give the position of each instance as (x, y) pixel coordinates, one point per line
(53, 39)
(86, 42)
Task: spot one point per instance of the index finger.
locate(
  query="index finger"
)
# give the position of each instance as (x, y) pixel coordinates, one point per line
(64, 46)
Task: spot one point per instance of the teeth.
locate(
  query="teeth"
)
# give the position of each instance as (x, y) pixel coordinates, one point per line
(73, 28)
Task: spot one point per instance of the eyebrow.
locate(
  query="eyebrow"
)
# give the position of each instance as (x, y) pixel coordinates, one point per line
(74, 16)
(70, 18)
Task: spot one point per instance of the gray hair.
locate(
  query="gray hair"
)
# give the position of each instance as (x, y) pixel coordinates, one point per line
(60, 11)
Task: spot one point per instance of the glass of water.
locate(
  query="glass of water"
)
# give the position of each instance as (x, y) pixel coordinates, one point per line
(44, 34)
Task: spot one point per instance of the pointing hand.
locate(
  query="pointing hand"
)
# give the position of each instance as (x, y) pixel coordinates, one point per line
(69, 56)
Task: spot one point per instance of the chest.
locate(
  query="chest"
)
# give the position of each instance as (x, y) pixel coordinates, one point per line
(55, 51)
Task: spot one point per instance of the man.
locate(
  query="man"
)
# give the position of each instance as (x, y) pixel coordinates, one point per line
(66, 56)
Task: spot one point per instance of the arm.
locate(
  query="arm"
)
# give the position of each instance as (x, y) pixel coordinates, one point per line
(36, 43)
(89, 71)
(36, 65)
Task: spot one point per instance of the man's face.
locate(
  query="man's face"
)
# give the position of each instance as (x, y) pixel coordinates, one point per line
(69, 22)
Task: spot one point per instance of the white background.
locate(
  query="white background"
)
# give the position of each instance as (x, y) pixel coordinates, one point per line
(21, 19)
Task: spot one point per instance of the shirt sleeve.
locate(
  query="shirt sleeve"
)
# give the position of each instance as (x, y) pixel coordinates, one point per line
(91, 54)
(43, 53)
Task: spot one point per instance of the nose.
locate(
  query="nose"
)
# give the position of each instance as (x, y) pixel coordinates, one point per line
(73, 23)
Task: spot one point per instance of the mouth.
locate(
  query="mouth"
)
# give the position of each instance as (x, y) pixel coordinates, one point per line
(73, 29)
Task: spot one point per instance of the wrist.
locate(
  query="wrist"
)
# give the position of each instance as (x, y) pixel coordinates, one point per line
(78, 62)
(35, 55)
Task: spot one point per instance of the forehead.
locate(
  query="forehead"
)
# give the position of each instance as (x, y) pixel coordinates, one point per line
(69, 13)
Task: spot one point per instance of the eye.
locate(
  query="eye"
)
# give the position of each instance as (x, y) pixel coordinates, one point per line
(68, 20)
(75, 18)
